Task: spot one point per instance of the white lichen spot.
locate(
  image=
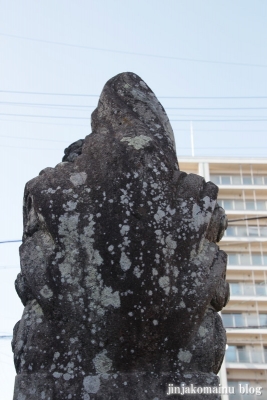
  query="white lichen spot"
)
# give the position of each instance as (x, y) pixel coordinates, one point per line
(164, 283)
(200, 215)
(67, 376)
(102, 363)
(159, 215)
(184, 355)
(125, 262)
(37, 308)
(155, 322)
(57, 374)
(46, 292)
(171, 211)
(68, 224)
(138, 142)
(137, 271)
(110, 248)
(109, 298)
(91, 383)
(124, 229)
(182, 304)
(86, 239)
(78, 178)
(65, 269)
(170, 243)
(202, 331)
(170, 246)
(71, 205)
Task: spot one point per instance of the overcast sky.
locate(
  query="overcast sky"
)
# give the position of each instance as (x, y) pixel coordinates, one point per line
(206, 60)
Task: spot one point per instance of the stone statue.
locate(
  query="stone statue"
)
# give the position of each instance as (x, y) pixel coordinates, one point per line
(121, 276)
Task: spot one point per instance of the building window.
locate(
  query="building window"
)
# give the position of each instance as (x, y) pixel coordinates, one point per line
(246, 320)
(242, 205)
(231, 354)
(233, 320)
(247, 180)
(235, 179)
(263, 322)
(247, 259)
(252, 320)
(248, 289)
(260, 289)
(245, 231)
(245, 354)
(265, 353)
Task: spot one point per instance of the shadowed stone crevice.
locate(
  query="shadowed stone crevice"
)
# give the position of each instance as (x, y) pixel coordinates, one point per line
(73, 151)
(121, 275)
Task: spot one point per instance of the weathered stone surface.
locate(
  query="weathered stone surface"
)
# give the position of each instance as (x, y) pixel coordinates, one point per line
(73, 151)
(121, 277)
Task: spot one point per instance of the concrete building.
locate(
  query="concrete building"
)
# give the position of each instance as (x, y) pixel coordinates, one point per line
(243, 195)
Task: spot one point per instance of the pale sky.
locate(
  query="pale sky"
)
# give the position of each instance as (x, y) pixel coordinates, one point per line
(206, 60)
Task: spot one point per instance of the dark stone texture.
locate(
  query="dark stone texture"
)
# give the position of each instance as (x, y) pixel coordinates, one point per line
(73, 151)
(121, 277)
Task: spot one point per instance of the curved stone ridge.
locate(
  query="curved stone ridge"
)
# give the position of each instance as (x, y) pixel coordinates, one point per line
(127, 104)
(121, 277)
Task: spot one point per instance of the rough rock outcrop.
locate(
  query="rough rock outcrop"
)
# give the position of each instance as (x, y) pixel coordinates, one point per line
(121, 277)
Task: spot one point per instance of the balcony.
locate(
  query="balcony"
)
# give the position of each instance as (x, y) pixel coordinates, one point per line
(238, 180)
(244, 234)
(244, 320)
(247, 259)
(246, 355)
(247, 206)
(242, 231)
(248, 289)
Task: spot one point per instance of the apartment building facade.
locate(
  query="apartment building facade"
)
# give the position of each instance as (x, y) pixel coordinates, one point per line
(242, 186)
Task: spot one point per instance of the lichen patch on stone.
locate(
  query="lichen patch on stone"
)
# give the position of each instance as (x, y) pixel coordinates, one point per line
(125, 262)
(184, 355)
(78, 178)
(102, 363)
(138, 142)
(46, 292)
(91, 383)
